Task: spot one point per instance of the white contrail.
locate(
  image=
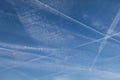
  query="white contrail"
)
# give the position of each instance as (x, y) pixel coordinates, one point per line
(23, 53)
(109, 33)
(71, 68)
(36, 58)
(58, 12)
(32, 60)
(24, 47)
(55, 11)
(80, 35)
(37, 21)
(68, 17)
(97, 40)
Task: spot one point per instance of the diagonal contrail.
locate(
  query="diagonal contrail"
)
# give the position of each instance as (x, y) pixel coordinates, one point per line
(97, 40)
(70, 18)
(37, 21)
(36, 58)
(73, 68)
(24, 47)
(55, 11)
(109, 33)
(40, 57)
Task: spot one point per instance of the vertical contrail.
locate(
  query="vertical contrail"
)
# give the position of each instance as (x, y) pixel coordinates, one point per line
(74, 20)
(109, 33)
(55, 11)
(97, 40)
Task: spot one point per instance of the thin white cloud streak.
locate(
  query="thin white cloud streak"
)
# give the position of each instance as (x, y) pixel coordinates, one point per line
(55, 52)
(98, 40)
(114, 75)
(24, 47)
(36, 57)
(109, 33)
(98, 73)
(66, 67)
(71, 69)
(26, 57)
(84, 36)
(104, 74)
(18, 47)
(37, 21)
(45, 65)
(32, 19)
(55, 11)
(15, 51)
(32, 57)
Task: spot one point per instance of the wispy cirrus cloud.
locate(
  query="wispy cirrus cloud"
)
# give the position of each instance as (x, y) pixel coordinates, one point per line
(44, 30)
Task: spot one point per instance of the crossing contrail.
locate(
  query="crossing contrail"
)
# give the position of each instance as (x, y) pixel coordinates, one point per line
(97, 40)
(109, 33)
(55, 11)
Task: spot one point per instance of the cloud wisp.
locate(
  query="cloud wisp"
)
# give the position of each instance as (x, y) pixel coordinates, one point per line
(44, 31)
(73, 68)
(109, 33)
(53, 10)
(97, 40)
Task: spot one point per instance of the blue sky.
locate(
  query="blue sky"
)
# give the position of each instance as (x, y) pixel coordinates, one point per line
(59, 39)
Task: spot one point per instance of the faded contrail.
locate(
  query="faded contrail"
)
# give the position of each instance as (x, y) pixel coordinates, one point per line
(37, 21)
(75, 68)
(56, 11)
(53, 10)
(18, 47)
(85, 44)
(36, 58)
(109, 33)
(68, 17)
